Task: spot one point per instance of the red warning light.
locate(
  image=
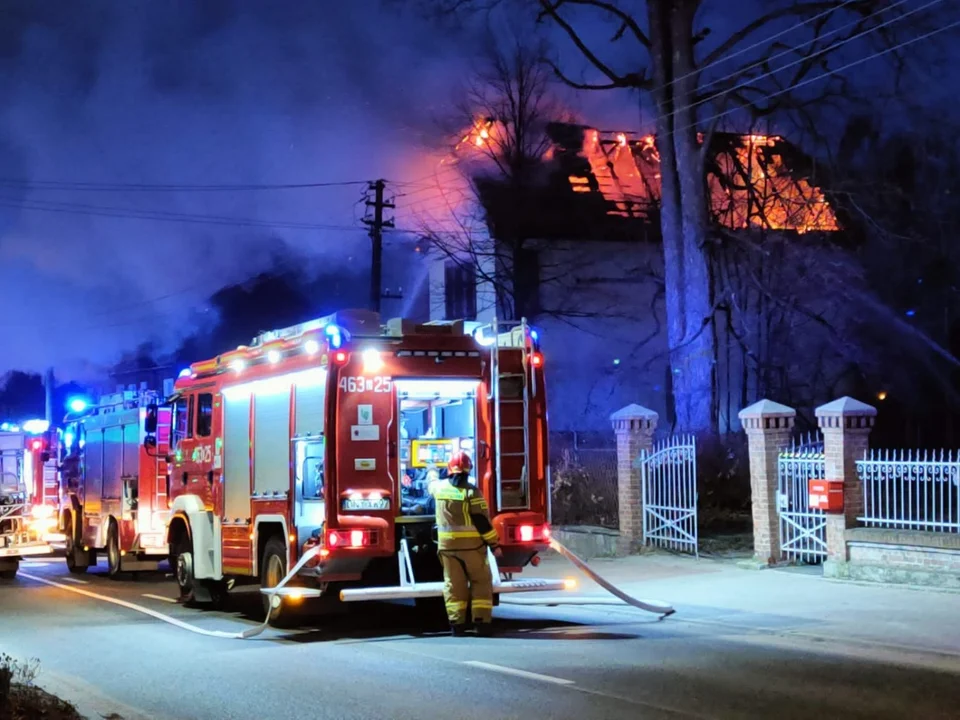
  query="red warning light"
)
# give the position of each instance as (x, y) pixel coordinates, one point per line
(340, 357)
(536, 360)
(37, 445)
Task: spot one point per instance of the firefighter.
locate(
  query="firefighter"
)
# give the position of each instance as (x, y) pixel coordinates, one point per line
(464, 533)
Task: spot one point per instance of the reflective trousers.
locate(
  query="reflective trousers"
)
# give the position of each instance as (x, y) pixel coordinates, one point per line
(467, 584)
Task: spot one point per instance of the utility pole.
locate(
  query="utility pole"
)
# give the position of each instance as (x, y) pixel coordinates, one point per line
(377, 226)
(49, 387)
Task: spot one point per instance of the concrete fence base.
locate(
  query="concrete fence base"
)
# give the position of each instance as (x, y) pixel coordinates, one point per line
(908, 557)
(588, 541)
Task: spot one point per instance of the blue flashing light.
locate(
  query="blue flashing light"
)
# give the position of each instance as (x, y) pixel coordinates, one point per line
(77, 404)
(334, 335)
(184, 373)
(616, 361)
(534, 335)
(911, 313)
(9, 427)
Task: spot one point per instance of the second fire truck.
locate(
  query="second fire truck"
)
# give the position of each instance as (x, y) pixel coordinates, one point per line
(27, 493)
(316, 437)
(113, 483)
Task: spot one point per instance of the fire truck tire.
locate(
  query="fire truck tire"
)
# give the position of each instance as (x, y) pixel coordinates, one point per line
(71, 551)
(10, 574)
(182, 562)
(113, 550)
(273, 566)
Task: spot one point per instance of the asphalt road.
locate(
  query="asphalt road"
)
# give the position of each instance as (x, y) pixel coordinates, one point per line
(376, 662)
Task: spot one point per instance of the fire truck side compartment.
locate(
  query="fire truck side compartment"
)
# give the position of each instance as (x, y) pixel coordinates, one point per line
(236, 457)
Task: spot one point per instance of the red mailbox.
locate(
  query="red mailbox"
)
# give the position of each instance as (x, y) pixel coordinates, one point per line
(825, 495)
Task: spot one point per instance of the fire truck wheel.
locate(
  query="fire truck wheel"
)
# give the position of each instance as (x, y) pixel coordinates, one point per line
(70, 547)
(273, 568)
(183, 568)
(10, 574)
(113, 550)
(219, 594)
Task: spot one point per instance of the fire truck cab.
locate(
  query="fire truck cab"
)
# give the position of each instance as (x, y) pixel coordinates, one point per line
(319, 436)
(28, 479)
(114, 483)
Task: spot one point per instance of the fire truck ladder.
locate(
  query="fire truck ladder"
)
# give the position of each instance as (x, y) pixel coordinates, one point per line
(519, 500)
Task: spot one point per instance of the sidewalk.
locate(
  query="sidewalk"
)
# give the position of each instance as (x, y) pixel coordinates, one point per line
(796, 601)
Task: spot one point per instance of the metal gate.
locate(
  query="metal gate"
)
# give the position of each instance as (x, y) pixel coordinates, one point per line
(668, 478)
(803, 531)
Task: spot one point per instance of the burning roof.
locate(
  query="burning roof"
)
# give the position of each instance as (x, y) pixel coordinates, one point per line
(755, 181)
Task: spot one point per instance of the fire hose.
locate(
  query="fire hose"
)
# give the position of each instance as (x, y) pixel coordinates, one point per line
(272, 593)
(652, 607)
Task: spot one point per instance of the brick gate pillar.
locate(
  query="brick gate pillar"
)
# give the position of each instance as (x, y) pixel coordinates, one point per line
(769, 428)
(634, 426)
(846, 424)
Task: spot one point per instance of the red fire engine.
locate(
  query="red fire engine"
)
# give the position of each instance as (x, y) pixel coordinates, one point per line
(319, 436)
(27, 493)
(113, 483)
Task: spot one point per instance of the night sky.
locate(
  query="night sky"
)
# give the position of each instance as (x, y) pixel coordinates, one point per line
(183, 92)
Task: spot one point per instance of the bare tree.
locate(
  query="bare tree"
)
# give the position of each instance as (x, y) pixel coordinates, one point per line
(799, 62)
(500, 128)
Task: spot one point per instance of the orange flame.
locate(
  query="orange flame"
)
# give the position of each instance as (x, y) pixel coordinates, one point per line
(753, 187)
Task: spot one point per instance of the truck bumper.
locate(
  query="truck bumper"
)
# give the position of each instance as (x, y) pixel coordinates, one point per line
(25, 549)
(435, 589)
(409, 588)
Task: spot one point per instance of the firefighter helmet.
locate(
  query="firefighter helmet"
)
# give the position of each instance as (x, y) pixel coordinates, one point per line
(460, 462)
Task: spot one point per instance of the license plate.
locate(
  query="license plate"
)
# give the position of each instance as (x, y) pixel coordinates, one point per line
(366, 504)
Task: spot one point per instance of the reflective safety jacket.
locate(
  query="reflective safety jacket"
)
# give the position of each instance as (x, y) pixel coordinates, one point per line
(463, 518)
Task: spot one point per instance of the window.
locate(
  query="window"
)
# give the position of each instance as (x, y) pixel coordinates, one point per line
(190, 414)
(460, 291)
(179, 422)
(204, 414)
(310, 468)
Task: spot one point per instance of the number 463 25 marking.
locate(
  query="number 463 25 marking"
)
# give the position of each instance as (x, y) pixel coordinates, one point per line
(358, 383)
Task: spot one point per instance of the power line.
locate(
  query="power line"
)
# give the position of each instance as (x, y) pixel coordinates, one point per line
(143, 187)
(765, 41)
(840, 69)
(823, 51)
(159, 215)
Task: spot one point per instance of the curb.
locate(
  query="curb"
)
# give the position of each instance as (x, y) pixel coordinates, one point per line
(88, 700)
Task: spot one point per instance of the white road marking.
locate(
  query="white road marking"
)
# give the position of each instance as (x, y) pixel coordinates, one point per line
(518, 673)
(147, 611)
(34, 563)
(160, 597)
(78, 581)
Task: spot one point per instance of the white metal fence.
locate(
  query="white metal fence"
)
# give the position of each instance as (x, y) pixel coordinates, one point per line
(669, 485)
(803, 530)
(911, 490)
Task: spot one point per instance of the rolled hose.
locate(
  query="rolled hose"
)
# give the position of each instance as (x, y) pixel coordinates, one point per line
(651, 607)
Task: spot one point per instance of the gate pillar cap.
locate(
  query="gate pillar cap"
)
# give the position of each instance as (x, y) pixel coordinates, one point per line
(767, 409)
(634, 415)
(846, 407)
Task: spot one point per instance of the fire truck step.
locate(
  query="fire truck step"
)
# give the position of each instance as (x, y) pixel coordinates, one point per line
(435, 589)
(24, 549)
